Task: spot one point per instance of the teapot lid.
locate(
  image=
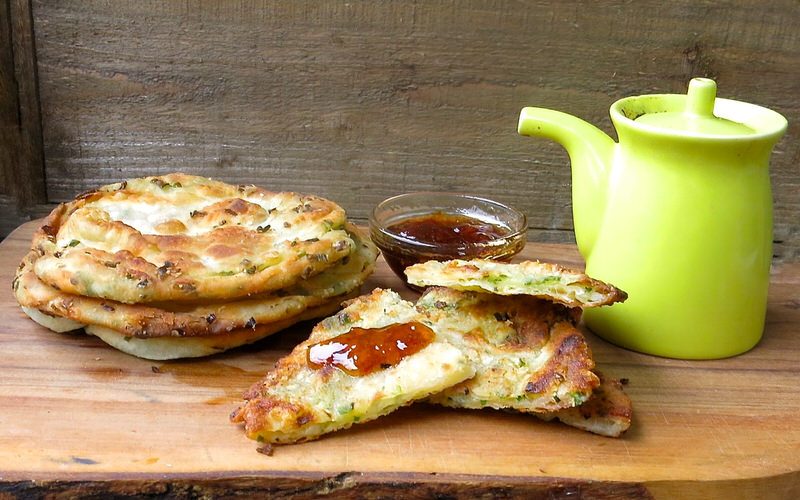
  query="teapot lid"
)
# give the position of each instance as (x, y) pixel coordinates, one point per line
(697, 115)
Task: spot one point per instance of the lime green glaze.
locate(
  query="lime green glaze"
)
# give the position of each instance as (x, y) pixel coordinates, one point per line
(678, 214)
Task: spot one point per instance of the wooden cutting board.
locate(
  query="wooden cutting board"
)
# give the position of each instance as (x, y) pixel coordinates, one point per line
(77, 417)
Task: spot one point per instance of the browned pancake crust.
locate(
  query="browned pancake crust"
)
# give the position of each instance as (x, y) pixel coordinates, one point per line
(539, 279)
(203, 319)
(608, 411)
(529, 353)
(171, 347)
(221, 242)
(295, 402)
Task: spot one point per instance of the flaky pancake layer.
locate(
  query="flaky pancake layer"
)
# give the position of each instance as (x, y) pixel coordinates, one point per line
(180, 237)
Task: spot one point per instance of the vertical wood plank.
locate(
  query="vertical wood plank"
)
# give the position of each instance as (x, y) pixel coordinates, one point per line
(8, 99)
(21, 152)
(360, 100)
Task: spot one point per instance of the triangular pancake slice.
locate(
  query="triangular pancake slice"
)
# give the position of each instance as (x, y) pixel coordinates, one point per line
(308, 394)
(551, 281)
(607, 413)
(527, 353)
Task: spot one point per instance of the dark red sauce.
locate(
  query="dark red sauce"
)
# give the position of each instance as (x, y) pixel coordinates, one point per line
(447, 229)
(451, 236)
(362, 351)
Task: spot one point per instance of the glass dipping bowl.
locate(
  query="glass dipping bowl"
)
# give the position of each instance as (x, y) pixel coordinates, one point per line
(400, 251)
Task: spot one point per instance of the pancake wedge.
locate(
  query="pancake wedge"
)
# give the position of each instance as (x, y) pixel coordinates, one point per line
(298, 402)
(527, 353)
(549, 281)
(607, 412)
(180, 237)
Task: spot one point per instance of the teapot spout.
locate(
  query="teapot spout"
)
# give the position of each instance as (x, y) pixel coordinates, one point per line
(590, 151)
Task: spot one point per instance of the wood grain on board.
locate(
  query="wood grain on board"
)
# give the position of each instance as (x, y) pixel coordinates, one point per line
(78, 417)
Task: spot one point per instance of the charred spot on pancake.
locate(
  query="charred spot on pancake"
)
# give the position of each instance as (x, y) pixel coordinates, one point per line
(50, 231)
(164, 269)
(185, 286)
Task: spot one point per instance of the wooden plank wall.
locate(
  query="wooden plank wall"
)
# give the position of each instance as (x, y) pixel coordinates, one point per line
(359, 100)
(23, 192)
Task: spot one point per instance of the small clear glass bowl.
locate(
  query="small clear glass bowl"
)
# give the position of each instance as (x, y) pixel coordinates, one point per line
(400, 251)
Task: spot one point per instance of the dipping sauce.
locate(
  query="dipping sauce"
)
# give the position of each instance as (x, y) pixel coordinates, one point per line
(362, 351)
(450, 236)
(447, 229)
(418, 227)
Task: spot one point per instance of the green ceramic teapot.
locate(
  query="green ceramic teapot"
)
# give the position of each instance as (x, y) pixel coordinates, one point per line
(678, 214)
